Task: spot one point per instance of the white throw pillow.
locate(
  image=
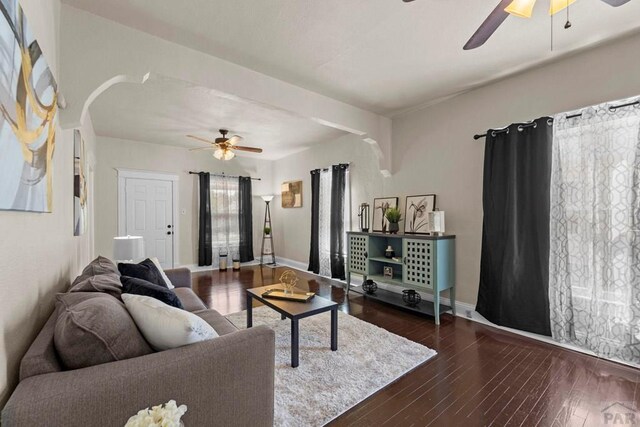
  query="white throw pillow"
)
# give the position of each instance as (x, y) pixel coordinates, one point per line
(166, 327)
(155, 262)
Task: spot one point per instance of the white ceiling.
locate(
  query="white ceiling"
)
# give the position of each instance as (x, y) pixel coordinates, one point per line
(382, 55)
(163, 111)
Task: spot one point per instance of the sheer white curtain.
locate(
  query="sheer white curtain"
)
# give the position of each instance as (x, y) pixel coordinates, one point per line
(324, 235)
(594, 268)
(225, 225)
(325, 223)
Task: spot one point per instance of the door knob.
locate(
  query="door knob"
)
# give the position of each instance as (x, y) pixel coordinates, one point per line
(169, 226)
(168, 232)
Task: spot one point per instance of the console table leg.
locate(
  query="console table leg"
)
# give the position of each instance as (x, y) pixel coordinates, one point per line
(452, 297)
(334, 329)
(348, 282)
(295, 342)
(436, 306)
(249, 311)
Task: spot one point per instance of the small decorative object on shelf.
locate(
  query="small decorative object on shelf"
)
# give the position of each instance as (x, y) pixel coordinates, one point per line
(394, 217)
(168, 414)
(387, 272)
(236, 261)
(411, 297)
(436, 222)
(369, 286)
(364, 217)
(389, 252)
(289, 279)
(222, 266)
(267, 230)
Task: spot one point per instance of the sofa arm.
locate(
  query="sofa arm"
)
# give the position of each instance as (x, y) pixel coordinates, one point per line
(227, 381)
(180, 277)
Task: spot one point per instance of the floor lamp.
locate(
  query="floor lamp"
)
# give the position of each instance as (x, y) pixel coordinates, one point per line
(267, 233)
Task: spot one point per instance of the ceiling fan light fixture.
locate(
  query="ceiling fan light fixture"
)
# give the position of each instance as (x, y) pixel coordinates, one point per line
(229, 154)
(218, 154)
(521, 8)
(559, 5)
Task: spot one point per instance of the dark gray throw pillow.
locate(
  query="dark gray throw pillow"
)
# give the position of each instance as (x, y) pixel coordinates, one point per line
(98, 266)
(132, 285)
(145, 270)
(94, 328)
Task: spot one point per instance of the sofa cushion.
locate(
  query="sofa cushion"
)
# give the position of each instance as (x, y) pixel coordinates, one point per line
(132, 285)
(100, 265)
(108, 283)
(217, 321)
(145, 270)
(164, 326)
(94, 328)
(189, 299)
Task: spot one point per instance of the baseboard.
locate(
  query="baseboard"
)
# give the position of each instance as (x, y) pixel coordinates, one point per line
(194, 268)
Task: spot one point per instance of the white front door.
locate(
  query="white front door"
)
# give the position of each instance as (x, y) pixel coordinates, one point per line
(149, 213)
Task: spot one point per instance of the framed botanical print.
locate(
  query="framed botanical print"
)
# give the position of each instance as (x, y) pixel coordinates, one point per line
(416, 219)
(380, 207)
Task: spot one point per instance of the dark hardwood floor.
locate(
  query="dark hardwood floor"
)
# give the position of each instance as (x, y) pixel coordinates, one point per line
(482, 376)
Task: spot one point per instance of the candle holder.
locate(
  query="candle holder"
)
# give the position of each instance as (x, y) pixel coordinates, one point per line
(364, 217)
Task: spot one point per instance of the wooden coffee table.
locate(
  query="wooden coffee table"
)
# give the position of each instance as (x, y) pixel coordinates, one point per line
(295, 311)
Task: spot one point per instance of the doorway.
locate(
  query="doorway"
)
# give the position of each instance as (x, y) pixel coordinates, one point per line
(147, 207)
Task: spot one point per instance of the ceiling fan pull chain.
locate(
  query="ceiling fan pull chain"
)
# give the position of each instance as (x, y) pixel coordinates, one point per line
(567, 25)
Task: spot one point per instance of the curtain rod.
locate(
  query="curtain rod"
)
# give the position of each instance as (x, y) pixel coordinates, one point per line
(572, 116)
(224, 174)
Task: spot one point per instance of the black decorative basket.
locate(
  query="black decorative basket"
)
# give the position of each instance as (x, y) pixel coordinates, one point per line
(411, 297)
(369, 286)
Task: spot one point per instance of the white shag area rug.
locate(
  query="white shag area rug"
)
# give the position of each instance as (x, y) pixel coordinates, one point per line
(327, 383)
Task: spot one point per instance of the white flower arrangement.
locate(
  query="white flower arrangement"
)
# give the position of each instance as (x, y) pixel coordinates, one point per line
(165, 415)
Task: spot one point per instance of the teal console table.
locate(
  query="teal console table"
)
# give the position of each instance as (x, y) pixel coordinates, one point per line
(424, 263)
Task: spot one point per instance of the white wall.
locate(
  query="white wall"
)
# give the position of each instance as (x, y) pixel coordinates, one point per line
(39, 255)
(117, 153)
(292, 226)
(434, 150)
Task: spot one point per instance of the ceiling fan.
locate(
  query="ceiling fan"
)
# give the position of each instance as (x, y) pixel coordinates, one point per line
(224, 147)
(521, 8)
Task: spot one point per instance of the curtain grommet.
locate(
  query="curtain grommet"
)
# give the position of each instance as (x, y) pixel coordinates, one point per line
(520, 128)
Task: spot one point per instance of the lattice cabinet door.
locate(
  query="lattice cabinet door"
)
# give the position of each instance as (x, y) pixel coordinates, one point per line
(418, 257)
(358, 254)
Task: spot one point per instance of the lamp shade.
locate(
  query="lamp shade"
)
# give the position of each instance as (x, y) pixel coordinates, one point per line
(128, 248)
(268, 197)
(521, 8)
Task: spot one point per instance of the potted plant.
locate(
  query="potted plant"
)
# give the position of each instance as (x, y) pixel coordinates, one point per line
(394, 217)
(267, 230)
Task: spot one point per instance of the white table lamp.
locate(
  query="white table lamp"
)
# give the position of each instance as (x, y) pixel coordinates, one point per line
(128, 248)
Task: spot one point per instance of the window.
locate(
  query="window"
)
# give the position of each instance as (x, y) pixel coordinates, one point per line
(225, 226)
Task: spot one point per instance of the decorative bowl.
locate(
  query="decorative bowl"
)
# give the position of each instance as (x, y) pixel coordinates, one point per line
(369, 286)
(411, 297)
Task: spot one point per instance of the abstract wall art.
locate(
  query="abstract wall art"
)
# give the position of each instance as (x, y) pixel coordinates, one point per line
(28, 97)
(291, 194)
(80, 207)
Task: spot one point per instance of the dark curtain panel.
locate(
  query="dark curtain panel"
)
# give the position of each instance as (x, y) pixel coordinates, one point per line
(336, 242)
(514, 270)
(245, 214)
(314, 251)
(204, 229)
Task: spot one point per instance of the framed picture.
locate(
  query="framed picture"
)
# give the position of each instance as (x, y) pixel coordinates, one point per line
(380, 206)
(28, 100)
(416, 220)
(291, 194)
(80, 207)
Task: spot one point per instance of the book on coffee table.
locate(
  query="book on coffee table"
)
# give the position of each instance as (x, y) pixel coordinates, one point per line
(295, 296)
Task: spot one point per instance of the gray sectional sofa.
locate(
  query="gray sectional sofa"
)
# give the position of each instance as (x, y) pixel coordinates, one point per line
(227, 381)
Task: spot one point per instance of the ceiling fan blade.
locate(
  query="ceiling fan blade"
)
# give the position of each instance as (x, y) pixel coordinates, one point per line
(235, 139)
(250, 149)
(489, 26)
(203, 148)
(616, 3)
(201, 139)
